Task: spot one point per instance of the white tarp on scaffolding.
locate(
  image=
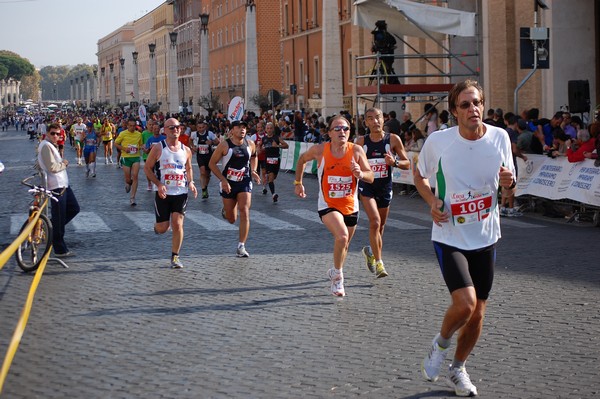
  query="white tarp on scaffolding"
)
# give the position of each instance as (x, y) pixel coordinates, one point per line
(437, 21)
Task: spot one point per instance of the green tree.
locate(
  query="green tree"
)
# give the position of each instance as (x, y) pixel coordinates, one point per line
(30, 86)
(56, 80)
(3, 72)
(17, 66)
(209, 103)
(264, 100)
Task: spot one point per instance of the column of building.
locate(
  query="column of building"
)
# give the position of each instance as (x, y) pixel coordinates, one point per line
(332, 91)
(251, 62)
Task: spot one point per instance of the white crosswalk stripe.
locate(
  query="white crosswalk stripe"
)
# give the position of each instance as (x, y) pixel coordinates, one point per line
(271, 222)
(92, 222)
(143, 220)
(16, 221)
(311, 216)
(398, 224)
(208, 221)
(88, 222)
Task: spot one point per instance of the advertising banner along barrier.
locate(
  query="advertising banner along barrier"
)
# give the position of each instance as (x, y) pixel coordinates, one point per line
(557, 178)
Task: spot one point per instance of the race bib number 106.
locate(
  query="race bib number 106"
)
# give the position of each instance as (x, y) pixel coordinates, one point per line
(470, 206)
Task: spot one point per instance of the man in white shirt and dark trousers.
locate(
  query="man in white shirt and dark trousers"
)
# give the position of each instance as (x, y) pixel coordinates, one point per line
(55, 169)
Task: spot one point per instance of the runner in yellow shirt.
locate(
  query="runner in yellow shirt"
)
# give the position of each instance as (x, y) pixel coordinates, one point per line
(130, 144)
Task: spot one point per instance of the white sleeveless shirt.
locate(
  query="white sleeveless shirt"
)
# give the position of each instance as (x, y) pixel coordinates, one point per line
(172, 169)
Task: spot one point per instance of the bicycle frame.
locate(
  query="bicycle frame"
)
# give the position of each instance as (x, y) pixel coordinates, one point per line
(42, 230)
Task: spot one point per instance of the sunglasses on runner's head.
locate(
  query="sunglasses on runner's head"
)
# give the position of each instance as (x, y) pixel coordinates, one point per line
(467, 104)
(173, 127)
(340, 128)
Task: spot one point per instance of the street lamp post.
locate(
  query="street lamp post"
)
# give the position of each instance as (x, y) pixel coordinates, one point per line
(76, 89)
(71, 90)
(251, 63)
(95, 86)
(87, 90)
(113, 94)
(204, 67)
(82, 82)
(136, 87)
(102, 80)
(122, 80)
(173, 95)
(152, 48)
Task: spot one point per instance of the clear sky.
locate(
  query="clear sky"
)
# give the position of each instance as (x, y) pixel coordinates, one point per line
(64, 32)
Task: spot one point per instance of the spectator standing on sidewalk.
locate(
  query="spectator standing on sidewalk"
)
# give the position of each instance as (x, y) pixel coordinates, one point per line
(55, 169)
(341, 164)
(469, 162)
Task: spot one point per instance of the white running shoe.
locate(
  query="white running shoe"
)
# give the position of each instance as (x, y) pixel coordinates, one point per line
(337, 282)
(459, 379)
(433, 361)
(176, 262)
(242, 253)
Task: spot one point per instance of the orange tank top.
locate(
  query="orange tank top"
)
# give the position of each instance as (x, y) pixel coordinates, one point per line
(336, 182)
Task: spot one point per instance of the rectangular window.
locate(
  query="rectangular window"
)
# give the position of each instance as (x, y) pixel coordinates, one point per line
(286, 28)
(287, 75)
(317, 72)
(300, 17)
(301, 73)
(350, 67)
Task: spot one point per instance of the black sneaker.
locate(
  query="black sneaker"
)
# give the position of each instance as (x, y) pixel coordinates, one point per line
(264, 191)
(275, 197)
(204, 194)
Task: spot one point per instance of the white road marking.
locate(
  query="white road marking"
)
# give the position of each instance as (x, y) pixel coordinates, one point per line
(311, 216)
(143, 220)
(88, 222)
(16, 221)
(209, 222)
(271, 222)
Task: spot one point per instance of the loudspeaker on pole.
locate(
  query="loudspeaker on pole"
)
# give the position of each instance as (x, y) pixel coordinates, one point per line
(579, 96)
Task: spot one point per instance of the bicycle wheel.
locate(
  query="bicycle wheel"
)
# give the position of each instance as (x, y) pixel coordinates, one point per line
(36, 245)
